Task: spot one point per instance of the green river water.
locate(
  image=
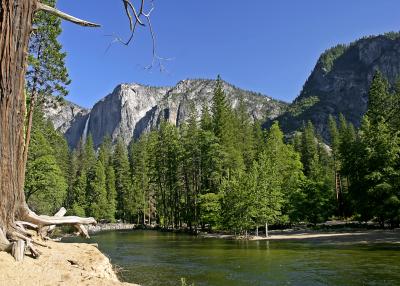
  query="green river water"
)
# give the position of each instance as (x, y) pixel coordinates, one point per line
(152, 258)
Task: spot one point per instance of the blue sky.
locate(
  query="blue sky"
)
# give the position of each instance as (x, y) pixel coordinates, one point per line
(261, 45)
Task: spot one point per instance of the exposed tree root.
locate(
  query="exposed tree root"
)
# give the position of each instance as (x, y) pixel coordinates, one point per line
(18, 250)
(43, 220)
(23, 235)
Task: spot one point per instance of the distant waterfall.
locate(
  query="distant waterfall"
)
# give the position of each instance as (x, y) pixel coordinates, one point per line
(85, 130)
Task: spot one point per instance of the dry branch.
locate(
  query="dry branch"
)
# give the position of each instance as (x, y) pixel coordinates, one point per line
(44, 220)
(18, 250)
(65, 16)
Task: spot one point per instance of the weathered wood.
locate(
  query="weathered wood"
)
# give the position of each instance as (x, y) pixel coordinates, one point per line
(18, 250)
(25, 223)
(65, 16)
(46, 231)
(15, 27)
(45, 220)
(82, 230)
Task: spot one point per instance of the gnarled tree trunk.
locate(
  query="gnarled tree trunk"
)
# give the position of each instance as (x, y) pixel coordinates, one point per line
(15, 26)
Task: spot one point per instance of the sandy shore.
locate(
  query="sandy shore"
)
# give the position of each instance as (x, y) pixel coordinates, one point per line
(63, 264)
(342, 237)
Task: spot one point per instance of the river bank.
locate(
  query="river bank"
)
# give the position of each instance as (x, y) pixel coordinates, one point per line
(347, 235)
(60, 264)
(344, 236)
(110, 226)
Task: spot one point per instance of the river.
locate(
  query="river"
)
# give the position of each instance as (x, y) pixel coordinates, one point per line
(152, 258)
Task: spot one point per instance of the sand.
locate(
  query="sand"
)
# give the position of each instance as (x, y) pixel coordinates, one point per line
(63, 264)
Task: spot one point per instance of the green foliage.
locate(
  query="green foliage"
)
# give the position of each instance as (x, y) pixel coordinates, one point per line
(313, 203)
(96, 192)
(392, 35)
(379, 99)
(300, 106)
(46, 73)
(369, 158)
(45, 181)
(328, 58)
(126, 202)
(210, 206)
(238, 203)
(244, 134)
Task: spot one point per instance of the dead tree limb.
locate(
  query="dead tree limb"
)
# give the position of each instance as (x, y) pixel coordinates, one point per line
(65, 16)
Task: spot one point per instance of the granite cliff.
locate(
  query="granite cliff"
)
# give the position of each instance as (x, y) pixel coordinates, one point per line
(340, 82)
(132, 109)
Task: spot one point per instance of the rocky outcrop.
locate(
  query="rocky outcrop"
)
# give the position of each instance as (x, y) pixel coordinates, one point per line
(62, 113)
(60, 264)
(132, 109)
(340, 81)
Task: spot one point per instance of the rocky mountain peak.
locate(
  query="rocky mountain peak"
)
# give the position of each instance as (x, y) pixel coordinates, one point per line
(340, 82)
(132, 109)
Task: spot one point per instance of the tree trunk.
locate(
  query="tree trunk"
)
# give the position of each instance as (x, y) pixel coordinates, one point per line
(266, 229)
(257, 230)
(15, 26)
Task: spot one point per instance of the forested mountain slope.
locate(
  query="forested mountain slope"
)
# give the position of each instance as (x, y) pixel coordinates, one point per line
(340, 81)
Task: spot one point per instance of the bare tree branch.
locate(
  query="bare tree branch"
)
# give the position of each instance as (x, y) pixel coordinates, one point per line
(128, 5)
(139, 17)
(62, 15)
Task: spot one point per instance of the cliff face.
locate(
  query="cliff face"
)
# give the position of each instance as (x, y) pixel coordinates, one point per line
(340, 81)
(338, 84)
(132, 109)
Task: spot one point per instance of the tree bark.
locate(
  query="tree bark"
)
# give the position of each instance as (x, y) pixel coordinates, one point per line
(15, 27)
(266, 229)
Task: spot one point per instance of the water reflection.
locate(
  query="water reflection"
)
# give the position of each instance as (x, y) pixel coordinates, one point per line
(160, 259)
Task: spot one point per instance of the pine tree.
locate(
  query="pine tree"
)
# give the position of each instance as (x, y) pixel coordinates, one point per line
(191, 156)
(309, 155)
(375, 184)
(318, 187)
(77, 195)
(169, 185)
(335, 147)
(126, 208)
(220, 110)
(85, 160)
(89, 154)
(258, 138)
(140, 168)
(105, 157)
(379, 99)
(223, 127)
(206, 123)
(47, 73)
(45, 184)
(111, 194)
(244, 130)
(96, 193)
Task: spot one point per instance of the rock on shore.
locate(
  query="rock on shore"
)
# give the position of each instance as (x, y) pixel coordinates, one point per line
(109, 226)
(62, 264)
